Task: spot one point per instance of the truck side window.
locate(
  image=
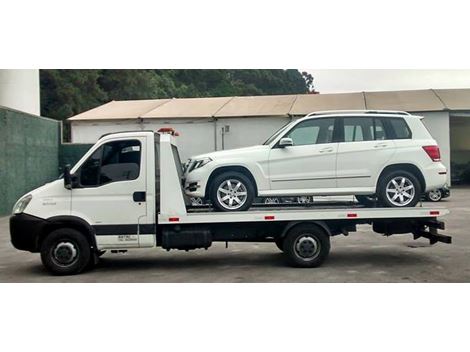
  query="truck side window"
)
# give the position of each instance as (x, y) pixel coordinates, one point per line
(112, 162)
(90, 169)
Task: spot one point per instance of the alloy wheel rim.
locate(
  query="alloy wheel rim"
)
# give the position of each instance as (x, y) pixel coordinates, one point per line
(400, 191)
(232, 194)
(307, 247)
(435, 195)
(65, 253)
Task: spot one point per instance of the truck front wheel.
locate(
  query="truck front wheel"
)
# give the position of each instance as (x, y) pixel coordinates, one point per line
(65, 251)
(306, 246)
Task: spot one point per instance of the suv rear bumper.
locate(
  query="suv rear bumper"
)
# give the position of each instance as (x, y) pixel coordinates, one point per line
(25, 230)
(435, 176)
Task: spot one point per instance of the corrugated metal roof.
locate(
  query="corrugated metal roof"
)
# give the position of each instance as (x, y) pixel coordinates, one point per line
(280, 105)
(455, 99)
(188, 107)
(404, 100)
(308, 103)
(267, 105)
(125, 109)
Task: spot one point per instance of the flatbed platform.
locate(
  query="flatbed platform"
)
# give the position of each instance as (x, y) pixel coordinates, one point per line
(323, 212)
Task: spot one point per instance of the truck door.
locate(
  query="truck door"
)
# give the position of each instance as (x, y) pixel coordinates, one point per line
(110, 192)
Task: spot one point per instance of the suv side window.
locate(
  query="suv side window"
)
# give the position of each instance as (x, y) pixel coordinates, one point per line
(379, 130)
(399, 128)
(358, 129)
(112, 162)
(314, 131)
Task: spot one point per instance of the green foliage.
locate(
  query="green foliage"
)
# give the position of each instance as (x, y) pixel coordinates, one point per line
(65, 93)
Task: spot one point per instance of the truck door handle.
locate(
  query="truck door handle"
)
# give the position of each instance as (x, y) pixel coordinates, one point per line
(381, 145)
(139, 196)
(326, 150)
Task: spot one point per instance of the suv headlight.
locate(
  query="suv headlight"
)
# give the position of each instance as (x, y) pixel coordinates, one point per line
(200, 163)
(21, 204)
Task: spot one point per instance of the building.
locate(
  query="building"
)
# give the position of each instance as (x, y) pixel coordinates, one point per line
(19, 90)
(208, 124)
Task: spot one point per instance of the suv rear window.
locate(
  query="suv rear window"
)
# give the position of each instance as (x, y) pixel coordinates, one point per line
(399, 128)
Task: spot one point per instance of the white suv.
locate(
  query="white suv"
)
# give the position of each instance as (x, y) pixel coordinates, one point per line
(383, 156)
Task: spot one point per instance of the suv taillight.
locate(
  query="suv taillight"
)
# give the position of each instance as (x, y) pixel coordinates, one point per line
(433, 152)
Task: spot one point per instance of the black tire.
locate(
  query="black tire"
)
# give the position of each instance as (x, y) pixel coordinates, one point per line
(279, 244)
(384, 181)
(368, 201)
(306, 246)
(65, 251)
(434, 196)
(239, 177)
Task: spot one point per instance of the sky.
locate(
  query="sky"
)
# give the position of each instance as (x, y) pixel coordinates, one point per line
(339, 81)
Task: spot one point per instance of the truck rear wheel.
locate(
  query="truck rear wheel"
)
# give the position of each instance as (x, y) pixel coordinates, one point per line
(306, 246)
(65, 251)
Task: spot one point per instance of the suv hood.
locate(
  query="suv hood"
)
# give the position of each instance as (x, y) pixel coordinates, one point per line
(224, 154)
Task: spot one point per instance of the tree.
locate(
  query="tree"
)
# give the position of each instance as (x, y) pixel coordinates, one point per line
(65, 93)
(308, 78)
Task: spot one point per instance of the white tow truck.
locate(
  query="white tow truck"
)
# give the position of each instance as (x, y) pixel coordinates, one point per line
(126, 192)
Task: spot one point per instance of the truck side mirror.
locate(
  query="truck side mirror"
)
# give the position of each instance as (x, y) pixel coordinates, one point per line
(286, 142)
(67, 177)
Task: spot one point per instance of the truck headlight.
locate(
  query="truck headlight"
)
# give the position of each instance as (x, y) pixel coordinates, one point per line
(21, 204)
(200, 163)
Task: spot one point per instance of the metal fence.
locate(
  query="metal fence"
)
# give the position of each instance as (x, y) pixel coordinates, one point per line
(29, 149)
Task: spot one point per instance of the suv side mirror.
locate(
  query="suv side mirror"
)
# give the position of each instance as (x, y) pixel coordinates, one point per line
(67, 177)
(286, 142)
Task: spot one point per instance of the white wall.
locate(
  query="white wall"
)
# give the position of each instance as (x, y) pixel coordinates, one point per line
(19, 89)
(438, 125)
(90, 132)
(248, 131)
(196, 136)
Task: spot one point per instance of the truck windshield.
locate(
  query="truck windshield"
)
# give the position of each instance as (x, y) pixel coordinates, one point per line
(276, 134)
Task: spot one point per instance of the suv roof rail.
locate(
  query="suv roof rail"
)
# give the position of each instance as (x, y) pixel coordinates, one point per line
(332, 112)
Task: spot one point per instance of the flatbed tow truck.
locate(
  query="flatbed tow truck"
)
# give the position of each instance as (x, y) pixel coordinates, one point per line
(94, 208)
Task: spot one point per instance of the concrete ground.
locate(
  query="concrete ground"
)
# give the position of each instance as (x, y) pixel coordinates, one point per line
(362, 257)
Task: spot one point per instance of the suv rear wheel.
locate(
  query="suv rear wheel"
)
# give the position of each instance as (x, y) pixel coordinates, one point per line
(232, 191)
(399, 189)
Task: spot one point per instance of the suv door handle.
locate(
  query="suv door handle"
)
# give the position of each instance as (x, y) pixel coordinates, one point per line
(381, 145)
(326, 150)
(139, 196)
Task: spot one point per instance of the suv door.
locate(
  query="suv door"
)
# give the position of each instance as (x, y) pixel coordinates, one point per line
(362, 153)
(110, 192)
(310, 163)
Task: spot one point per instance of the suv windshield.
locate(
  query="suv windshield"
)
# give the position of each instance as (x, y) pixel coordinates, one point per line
(277, 133)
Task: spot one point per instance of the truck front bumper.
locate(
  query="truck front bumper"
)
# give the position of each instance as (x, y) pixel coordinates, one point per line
(25, 230)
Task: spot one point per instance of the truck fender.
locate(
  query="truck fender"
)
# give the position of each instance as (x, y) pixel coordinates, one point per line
(292, 224)
(73, 222)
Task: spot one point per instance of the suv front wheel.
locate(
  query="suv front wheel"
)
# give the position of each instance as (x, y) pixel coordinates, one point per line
(232, 191)
(399, 189)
